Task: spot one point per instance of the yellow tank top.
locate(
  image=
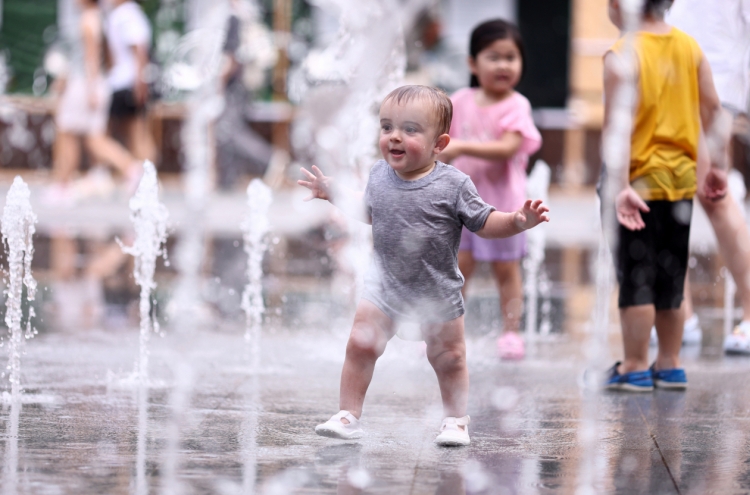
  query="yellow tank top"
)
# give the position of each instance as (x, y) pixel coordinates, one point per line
(666, 127)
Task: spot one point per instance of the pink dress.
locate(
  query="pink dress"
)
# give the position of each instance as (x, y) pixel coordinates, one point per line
(502, 183)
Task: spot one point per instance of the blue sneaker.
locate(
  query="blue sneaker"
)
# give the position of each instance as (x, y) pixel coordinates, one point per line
(674, 378)
(635, 381)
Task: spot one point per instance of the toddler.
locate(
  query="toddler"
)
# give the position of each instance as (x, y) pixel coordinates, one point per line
(675, 95)
(492, 137)
(417, 207)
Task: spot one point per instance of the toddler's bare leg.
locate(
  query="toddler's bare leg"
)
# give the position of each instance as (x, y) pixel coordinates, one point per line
(636, 329)
(371, 331)
(446, 351)
(508, 275)
(466, 265)
(669, 327)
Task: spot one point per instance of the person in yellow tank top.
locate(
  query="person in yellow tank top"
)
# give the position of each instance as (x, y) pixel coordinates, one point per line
(675, 96)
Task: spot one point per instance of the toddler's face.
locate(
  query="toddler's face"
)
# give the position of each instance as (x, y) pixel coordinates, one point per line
(408, 135)
(498, 67)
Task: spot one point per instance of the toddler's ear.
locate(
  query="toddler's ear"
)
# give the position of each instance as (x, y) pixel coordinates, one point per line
(441, 143)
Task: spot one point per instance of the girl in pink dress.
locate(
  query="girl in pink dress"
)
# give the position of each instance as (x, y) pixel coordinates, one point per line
(492, 137)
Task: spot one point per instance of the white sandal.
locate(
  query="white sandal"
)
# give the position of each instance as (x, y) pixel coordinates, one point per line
(451, 433)
(335, 428)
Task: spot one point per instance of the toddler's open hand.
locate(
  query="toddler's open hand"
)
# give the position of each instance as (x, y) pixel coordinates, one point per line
(629, 207)
(319, 185)
(531, 214)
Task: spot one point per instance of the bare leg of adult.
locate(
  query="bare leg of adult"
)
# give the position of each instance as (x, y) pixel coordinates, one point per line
(669, 328)
(108, 150)
(508, 276)
(733, 243)
(446, 351)
(636, 324)
(466, 264)
(67, 157)
(371, 332)
(141, 141)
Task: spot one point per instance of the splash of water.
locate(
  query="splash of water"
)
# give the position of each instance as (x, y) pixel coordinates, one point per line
(18, 230)
(536, 188)
(149, 217)
(196, 68)
(615, 155)
(341, 87)
(255, 232)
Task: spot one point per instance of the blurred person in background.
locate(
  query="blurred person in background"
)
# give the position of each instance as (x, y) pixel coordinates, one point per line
(722, 29)
(492, 137)
(82, 111)
(240, 150)
(128, 35)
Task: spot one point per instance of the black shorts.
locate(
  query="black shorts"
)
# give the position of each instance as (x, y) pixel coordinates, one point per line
(124, 104)
(652, 263)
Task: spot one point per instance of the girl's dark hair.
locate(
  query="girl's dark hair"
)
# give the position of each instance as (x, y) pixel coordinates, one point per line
(490, 31)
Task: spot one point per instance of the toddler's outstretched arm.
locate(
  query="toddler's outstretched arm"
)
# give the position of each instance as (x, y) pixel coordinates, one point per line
(323, 187)
(501, 224)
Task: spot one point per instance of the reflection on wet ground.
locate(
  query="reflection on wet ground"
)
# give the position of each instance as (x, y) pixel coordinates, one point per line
(79, 430)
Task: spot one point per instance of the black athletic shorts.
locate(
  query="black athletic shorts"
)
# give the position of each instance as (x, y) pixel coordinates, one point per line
(652, 263)
(124, 104)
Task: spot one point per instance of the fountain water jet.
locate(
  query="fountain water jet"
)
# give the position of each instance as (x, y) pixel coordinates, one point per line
(149, 217)
(18, 230)
(255, 230)
(255, 233)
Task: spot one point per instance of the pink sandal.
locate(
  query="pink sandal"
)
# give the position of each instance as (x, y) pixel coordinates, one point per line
(510, 346)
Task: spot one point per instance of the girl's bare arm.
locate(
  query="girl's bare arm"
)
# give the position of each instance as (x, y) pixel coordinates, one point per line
(500, 149)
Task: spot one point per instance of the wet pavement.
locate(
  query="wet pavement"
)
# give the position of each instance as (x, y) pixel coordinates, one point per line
(84, 427)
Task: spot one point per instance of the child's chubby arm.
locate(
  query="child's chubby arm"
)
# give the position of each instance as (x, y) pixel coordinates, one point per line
(500, 224)
(500, 149)
(322, 187)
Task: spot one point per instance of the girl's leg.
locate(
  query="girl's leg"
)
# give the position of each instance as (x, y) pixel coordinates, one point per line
(139, 137)
(446, 351)
(636, 330)
(508, 276)
(371, 332)
(108, 150)
(466, 264)
(669, 327)
(67, 157)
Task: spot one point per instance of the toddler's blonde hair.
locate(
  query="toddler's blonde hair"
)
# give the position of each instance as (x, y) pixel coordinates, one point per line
(441, 104)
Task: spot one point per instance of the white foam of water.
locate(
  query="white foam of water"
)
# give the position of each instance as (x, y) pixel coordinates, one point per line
(18, 230)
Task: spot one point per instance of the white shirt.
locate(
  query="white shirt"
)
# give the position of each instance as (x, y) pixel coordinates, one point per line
(127, 26)
(722, 29)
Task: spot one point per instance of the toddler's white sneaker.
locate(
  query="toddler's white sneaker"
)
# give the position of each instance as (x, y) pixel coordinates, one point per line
(335, 428)
(451, 433)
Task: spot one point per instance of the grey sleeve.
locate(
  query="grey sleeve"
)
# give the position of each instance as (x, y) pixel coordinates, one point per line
(470, 208)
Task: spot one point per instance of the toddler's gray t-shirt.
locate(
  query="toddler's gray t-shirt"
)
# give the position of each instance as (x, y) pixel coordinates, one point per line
(416, 230)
